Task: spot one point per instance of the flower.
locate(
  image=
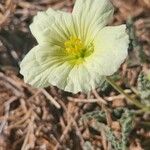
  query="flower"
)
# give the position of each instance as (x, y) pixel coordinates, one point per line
(75, 50)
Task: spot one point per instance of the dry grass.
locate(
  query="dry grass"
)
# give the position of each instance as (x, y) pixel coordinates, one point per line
(50, 118)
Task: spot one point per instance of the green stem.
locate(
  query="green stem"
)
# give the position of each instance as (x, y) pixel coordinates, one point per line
(120, 90)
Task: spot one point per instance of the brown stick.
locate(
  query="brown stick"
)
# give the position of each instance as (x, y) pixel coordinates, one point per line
(49, 97)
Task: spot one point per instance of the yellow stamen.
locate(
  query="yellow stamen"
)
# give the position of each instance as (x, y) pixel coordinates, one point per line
(74, 45)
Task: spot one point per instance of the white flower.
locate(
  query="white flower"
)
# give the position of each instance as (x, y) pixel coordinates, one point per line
(75, 50)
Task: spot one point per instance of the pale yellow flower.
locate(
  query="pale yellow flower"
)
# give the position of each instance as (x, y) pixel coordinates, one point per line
(75, 50)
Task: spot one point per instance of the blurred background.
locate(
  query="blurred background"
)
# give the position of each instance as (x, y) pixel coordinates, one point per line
(50, 119)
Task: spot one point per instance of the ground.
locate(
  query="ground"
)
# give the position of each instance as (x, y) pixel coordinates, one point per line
(51, 119)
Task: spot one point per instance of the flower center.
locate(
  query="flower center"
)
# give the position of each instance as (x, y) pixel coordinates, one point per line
(76, 48)
(74, 45)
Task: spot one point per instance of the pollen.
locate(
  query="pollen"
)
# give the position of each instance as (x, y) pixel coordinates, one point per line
(74, 46)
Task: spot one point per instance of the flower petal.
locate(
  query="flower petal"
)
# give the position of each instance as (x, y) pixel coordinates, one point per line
(91, 16)
(111, 49)
(49, 25)
(45, 65)
(36, 66)
(80, 79)
(41, 22)
(33, 72)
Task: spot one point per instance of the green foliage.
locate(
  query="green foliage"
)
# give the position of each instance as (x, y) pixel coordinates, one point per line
(104, 85)
(126, 122)
(98, 115)
(116, 144)
(144, 89)
(117, 113)
(136, 52)
(131, 32)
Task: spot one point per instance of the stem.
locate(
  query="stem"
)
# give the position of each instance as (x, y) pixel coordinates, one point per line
(120, 90)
